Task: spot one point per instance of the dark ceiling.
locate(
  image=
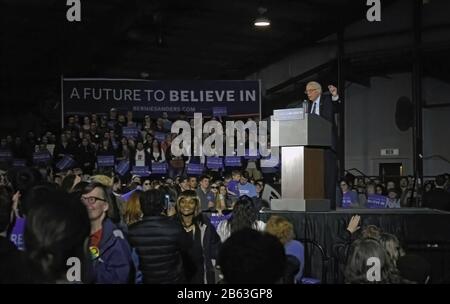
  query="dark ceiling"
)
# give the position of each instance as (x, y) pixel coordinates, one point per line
(170, 39)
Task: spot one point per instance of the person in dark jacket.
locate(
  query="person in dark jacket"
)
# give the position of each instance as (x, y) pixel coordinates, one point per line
(205, 248)
(111, 253)
(437, 198)
(160, 242)
(85, 156)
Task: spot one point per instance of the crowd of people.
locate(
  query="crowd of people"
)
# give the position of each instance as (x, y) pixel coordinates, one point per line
(170, 227)
(168, 233)
(365, 192)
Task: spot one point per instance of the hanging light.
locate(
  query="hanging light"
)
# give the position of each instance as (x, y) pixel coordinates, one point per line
(261, 20)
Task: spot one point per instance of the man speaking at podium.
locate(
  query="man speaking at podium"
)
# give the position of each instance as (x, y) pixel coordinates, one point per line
(325, 105)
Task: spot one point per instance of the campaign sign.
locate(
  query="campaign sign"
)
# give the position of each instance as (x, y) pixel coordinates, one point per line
(65, 163)
(233, 161)
(5, 155)
(195, 169)
(160, 136)
(376, 201)
(105, 160)
(214, 162)
(159, 168)
(216, 218)
(19, 163)
(41, 157)
(130, 132)
(140, 171)
(122, 167)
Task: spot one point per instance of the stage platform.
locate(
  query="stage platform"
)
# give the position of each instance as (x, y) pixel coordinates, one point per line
(422, 231)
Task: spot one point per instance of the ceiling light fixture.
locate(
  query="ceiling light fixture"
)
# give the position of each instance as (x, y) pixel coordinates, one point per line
(261, 20)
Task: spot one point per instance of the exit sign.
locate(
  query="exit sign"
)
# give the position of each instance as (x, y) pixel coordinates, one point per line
(390, 152)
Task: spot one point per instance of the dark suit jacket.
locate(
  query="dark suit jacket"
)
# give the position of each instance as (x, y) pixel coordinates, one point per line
(437, 199)
(328, 108)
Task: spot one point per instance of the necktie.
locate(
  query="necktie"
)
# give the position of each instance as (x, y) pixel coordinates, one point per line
(313, 108)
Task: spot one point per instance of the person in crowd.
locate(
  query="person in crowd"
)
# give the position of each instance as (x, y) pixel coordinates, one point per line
(160, 242)
(133, 212)
(56, 235)
(259, 185)
(437, 198)
(193, 183)
(62, 148)
(252, 257)
(184, 184)
(156, 154)
(284, 231)
(22, 181)
(206, 196)
(204, 250)
(358, 269)
(233, 185)
(69, 182)
(11, 259)
(140, 158)
(379, 189)
(246, 188)
(392, 246)
(86, 126)
(244, 216)
(393, 200)
(147, 184)
(124, 151)
(349, 197)
(105, 148)
(111, 254)
(85, 156)
(390, 185)
(428, 186)
(223, 196)
(404, 192)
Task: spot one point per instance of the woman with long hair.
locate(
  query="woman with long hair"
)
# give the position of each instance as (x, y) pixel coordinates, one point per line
(133, 212)
(244, 216)
(206, 242)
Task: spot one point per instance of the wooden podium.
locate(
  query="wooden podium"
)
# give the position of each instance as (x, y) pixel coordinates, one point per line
(302, 139)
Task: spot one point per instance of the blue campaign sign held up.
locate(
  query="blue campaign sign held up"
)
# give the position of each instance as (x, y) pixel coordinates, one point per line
(160, 136)
(219, 111)
(5, 155)
(19, 163)
(122, 167)
(159, 168)
(105, 160)
(214, 162)
(141, 171)
(130, 132)
(195, 169)
(376, 201)
(233, 161)
(42, 157)
(65, 163)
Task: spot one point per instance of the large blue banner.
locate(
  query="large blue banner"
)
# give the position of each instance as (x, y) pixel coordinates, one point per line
(152, 97)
